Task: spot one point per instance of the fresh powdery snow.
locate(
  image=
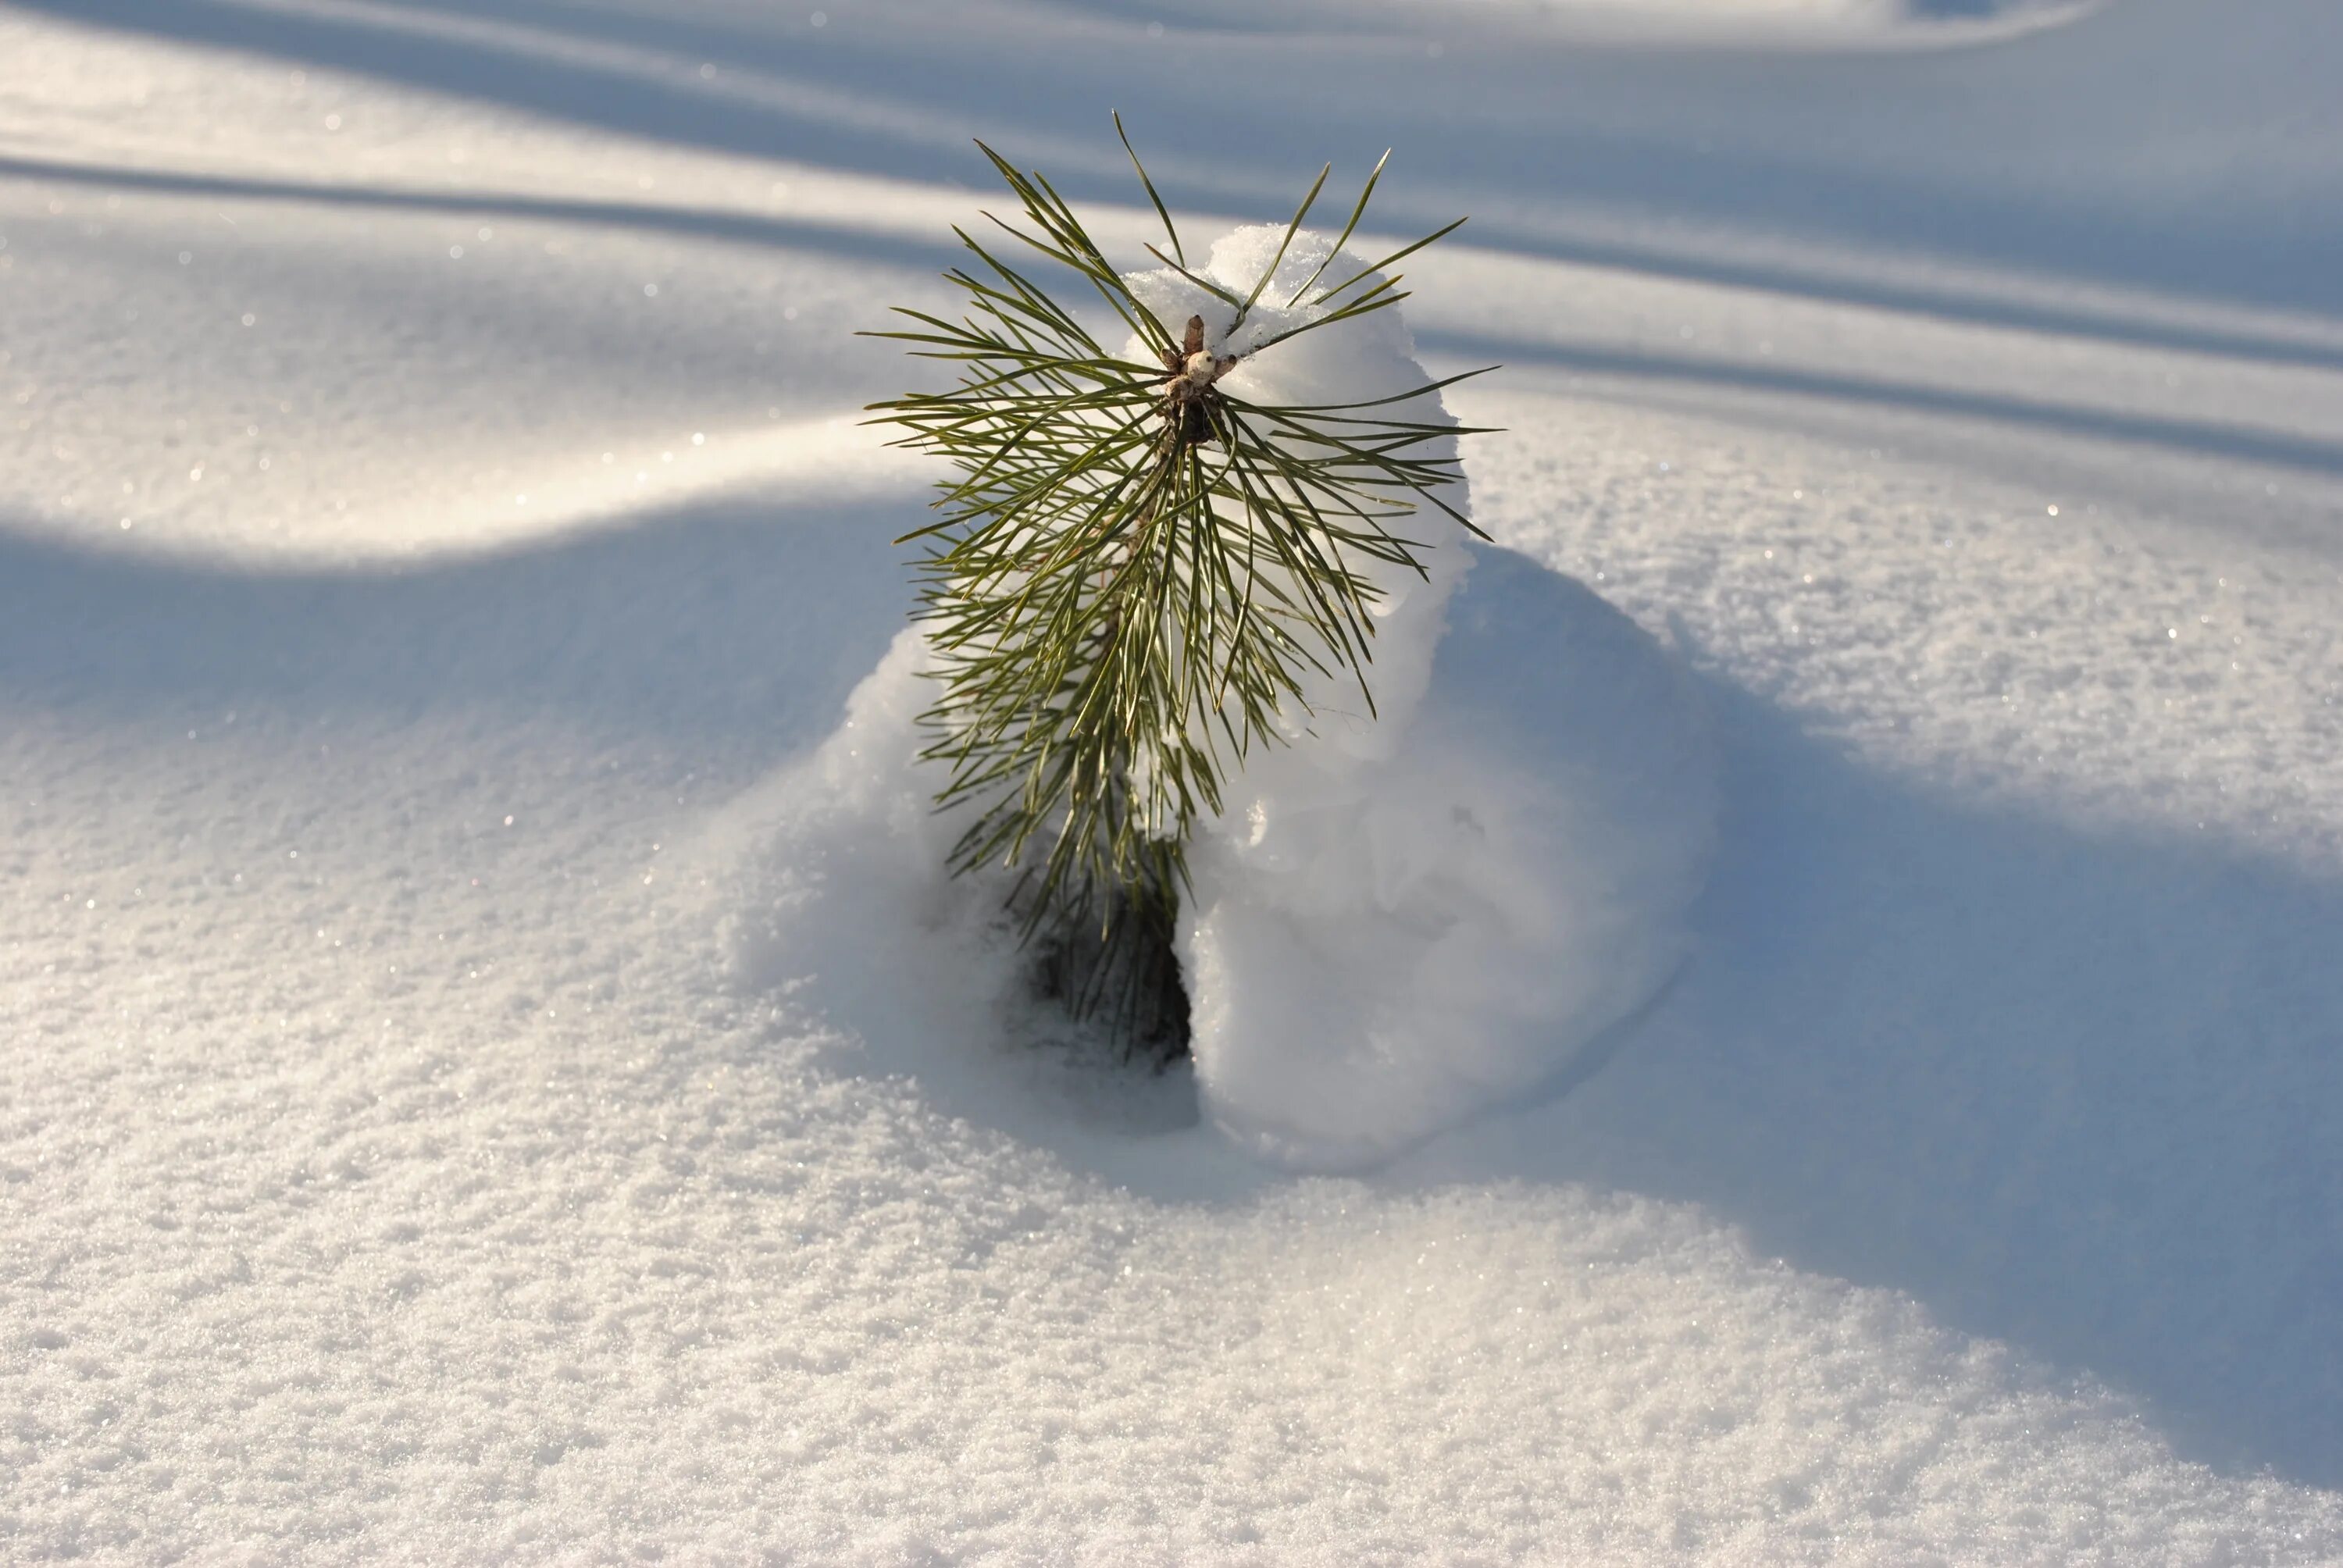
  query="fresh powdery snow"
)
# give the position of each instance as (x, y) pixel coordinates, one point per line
(1810, 1030)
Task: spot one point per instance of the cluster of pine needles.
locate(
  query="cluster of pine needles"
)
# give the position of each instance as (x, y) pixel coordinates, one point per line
(1134, 573)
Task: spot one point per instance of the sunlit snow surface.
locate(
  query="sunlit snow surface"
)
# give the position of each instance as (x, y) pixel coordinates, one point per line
(401, 1156)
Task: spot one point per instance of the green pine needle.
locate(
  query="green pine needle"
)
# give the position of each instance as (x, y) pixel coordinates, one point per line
(1133, 574)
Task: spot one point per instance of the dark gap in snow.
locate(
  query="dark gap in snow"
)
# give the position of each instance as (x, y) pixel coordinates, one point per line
(1122, 974)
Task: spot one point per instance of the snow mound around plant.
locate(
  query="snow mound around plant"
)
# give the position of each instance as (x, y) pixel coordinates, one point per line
(1376, 954)
(1397, 921)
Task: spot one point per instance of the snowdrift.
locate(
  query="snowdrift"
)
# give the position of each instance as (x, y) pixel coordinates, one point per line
(1375, 958)
(1371, 960)
(1396, 921)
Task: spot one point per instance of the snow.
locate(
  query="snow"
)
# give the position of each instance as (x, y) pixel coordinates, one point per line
(1380, 955)
(420, 1139)
(1400, 917)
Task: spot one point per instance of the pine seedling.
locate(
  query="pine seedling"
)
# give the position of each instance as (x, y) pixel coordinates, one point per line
(1136, 570)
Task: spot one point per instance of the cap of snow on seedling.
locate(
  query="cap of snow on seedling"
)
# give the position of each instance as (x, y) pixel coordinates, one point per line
(1188, 398)
(1157, 553)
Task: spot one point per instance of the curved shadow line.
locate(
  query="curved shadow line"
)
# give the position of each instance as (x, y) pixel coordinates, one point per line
(749, 228)
(2235, 442)
(1962, 309)
(743, 227)
(583, 93)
